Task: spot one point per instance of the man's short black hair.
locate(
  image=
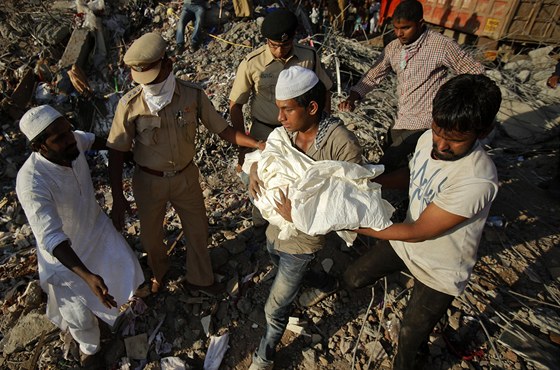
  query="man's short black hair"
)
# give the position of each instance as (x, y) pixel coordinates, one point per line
(467, 103)
(318, 93)
(410, 10)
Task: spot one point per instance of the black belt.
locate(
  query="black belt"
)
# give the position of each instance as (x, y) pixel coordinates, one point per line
(163, 173)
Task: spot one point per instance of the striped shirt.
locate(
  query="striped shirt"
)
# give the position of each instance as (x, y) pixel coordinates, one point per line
(421, 68)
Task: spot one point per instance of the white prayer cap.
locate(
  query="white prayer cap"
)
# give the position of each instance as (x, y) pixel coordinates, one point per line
(295, 81)
(37, 119)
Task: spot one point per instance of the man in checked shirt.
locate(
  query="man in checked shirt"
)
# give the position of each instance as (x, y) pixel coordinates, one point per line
(421, 58)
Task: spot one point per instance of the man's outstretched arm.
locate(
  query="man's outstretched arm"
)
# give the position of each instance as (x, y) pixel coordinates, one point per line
(66, 255)
(433, 222)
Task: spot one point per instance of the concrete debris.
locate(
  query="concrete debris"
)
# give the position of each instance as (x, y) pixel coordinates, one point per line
(26, 330)
(206, 321)
(309, 358)
(172, 363)
(137, 346)
(78, 48)
(531, 348)
(375, 351)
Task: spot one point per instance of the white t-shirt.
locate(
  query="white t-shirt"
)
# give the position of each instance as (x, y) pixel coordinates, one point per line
(465, 187)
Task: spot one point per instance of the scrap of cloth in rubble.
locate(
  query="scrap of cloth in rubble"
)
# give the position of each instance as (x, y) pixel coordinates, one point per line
(60, 205)
(326, 195)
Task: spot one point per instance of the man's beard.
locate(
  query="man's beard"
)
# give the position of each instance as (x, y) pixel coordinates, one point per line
(68, 155)
(447, 156)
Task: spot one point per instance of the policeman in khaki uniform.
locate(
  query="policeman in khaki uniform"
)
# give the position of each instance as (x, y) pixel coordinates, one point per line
(257, 75)
(157, 120)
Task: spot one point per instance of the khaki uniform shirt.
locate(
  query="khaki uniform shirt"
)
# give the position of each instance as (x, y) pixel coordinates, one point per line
(339, 144)
(258, 73)
(163, 142)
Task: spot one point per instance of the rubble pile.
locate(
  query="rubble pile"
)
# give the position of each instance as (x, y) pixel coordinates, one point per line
(69, 54)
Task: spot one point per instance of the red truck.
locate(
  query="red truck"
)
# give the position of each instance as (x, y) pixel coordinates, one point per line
(532, 21)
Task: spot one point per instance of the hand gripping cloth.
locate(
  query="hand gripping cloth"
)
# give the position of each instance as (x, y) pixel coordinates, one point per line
(326, 195)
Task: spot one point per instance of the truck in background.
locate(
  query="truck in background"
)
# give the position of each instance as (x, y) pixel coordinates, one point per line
(526, 21)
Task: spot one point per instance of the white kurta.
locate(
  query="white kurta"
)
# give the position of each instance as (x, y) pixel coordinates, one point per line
(60, 204)
(326, 195)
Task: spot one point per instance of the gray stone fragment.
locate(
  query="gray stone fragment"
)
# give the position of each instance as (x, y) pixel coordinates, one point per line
(345, 345)
(518, 64)
(234, 246)
(538, 55)
(523, 76)
(33, 295)
(27, 329)
(137, 346)
(77, 49)
(495, 75)
(309, 358)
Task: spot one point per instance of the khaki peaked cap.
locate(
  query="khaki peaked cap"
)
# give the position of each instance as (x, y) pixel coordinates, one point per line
(280, 25)
(144, 57)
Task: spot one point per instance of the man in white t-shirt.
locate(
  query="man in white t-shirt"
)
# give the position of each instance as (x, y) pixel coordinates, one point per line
(452, 183)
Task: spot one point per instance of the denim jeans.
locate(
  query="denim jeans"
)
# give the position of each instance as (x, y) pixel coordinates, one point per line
(425, 307)
(190, 12)
(292, 269)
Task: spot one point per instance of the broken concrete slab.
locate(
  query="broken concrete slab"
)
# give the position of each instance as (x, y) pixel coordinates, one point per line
(137, 346)
(309, 358)
(17, 104)
(528, 124)
(27, 329)
(538, 54)
(78, 48)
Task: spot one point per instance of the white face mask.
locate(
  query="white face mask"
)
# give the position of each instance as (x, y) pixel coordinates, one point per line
(158, 95)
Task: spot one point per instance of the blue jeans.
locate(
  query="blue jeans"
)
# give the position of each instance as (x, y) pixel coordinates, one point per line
(291, 271)
(190, 12)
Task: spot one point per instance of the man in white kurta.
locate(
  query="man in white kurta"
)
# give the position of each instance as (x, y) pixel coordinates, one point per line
(85, 266)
